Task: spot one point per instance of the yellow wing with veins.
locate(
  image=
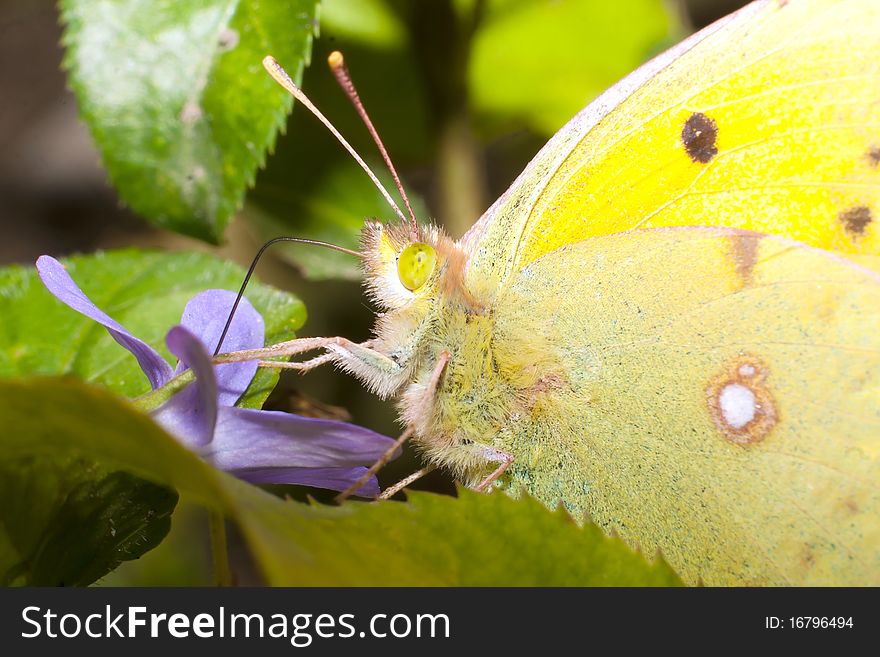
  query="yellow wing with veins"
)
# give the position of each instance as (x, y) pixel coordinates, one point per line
(708, 392)
(768, 120)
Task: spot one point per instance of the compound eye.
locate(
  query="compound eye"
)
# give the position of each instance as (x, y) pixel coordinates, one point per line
(415, 264)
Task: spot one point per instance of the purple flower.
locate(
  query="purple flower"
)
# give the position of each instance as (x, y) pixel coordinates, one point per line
(256, 445)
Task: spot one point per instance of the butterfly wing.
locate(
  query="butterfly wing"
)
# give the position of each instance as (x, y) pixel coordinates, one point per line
(768, 120)
(709, 392)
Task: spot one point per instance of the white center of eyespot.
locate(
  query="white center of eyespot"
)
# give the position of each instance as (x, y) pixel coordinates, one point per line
(747, 370)
(738, 405)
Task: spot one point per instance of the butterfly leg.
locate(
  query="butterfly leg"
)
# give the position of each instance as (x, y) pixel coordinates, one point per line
(494, 456)
(340, 346)
(422, 407)
(305, 366)
(391, 491)
(288, 348)
(383, 373)
(431, 388)
(387, 456)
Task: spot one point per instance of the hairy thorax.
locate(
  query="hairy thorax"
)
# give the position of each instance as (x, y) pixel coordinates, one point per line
(497, 389)
(471, 402)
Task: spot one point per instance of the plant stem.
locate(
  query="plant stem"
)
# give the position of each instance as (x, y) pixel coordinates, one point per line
(219, 552)
(461, 179)
(442, 39)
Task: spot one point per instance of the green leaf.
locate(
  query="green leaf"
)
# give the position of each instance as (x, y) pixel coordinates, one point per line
(67, 519)
(64, 419)
(543, 61)
(435, 540)
(430, 540)
(182, 559)
(66, 523)
(177, 101)
(146, 292)
(370, 22)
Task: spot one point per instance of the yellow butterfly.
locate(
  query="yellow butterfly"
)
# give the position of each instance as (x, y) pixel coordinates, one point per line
(620, 333)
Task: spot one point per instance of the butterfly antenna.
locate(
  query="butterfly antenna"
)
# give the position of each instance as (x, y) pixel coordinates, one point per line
(250, 272)
(281, 77)
(343, 77)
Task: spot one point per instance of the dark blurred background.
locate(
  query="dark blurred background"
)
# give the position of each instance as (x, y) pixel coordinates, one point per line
(438, 83)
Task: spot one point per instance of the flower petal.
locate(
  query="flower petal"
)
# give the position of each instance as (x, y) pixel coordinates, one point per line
(191, 414)
(332, 478)
(204, 316)
(247, 439)
(58, 282)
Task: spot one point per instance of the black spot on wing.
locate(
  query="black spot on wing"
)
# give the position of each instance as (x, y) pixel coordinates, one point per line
(699, 136)
(855, 220)
(873, 156)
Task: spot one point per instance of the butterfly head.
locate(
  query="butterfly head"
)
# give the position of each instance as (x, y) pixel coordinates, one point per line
(402, 266)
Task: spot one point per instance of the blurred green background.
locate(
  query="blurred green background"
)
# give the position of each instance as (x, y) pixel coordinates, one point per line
(463, 92)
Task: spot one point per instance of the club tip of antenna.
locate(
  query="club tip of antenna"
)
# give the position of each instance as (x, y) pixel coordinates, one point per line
(269, 62)
(335, 60)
